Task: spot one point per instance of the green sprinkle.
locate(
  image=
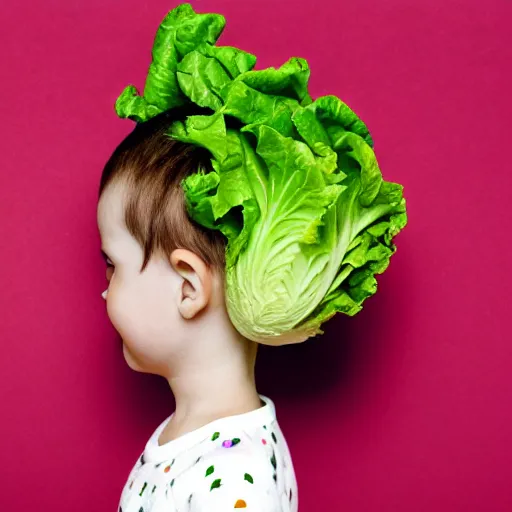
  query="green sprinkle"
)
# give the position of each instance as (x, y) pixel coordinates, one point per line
(274, 437)
(172, 482)
(248, 478)
(215, 484)
(209, 471)
(235, 441)
(216, 435)
(273, 461)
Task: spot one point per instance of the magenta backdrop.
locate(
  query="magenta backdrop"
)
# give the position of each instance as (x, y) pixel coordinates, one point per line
(405, 406)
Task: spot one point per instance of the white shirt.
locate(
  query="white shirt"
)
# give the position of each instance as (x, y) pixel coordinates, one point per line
(236, 462)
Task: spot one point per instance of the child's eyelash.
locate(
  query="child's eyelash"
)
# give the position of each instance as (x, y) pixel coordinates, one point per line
(107, 259)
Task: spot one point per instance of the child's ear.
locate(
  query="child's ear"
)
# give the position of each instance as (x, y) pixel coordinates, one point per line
(196, 287)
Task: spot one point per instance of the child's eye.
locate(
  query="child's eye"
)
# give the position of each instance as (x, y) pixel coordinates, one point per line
(110, 271)
(106, 259)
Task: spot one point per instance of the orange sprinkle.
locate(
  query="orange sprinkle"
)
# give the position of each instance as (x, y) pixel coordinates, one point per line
(166, 470)
(240, 504)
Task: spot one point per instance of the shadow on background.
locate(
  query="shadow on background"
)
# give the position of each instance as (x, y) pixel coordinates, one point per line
(353, 358)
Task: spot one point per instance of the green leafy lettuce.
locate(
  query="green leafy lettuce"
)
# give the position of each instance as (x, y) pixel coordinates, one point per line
(296, 188)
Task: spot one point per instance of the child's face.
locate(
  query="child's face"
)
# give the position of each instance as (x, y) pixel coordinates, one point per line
(141, 306)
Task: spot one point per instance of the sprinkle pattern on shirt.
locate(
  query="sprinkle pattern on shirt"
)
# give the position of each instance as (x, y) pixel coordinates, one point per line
(237, 462)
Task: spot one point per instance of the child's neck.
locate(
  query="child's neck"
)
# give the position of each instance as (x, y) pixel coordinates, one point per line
(212, 392)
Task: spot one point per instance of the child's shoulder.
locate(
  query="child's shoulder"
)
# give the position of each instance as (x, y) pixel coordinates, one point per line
(236, 469)
(234, 449)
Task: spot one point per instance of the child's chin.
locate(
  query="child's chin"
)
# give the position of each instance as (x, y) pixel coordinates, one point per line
(130, 360)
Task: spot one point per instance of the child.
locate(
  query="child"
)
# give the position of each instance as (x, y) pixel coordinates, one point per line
(222, 448)
(239, 211)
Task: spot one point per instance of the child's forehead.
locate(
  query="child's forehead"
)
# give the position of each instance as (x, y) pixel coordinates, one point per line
(110, 211)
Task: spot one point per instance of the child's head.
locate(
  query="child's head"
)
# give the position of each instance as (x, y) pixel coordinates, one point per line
(166, 272)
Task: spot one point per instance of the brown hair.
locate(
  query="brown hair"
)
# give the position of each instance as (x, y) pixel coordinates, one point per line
(151, 165)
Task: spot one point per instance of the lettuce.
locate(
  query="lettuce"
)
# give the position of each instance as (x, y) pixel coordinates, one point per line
(295, 188)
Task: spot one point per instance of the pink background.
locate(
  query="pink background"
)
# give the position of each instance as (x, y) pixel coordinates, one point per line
(405, 406)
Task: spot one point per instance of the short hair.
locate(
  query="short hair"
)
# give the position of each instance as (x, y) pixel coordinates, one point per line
(150, 166)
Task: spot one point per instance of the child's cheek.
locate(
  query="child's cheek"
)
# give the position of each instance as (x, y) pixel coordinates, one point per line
(118, 307)
(125, 311)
